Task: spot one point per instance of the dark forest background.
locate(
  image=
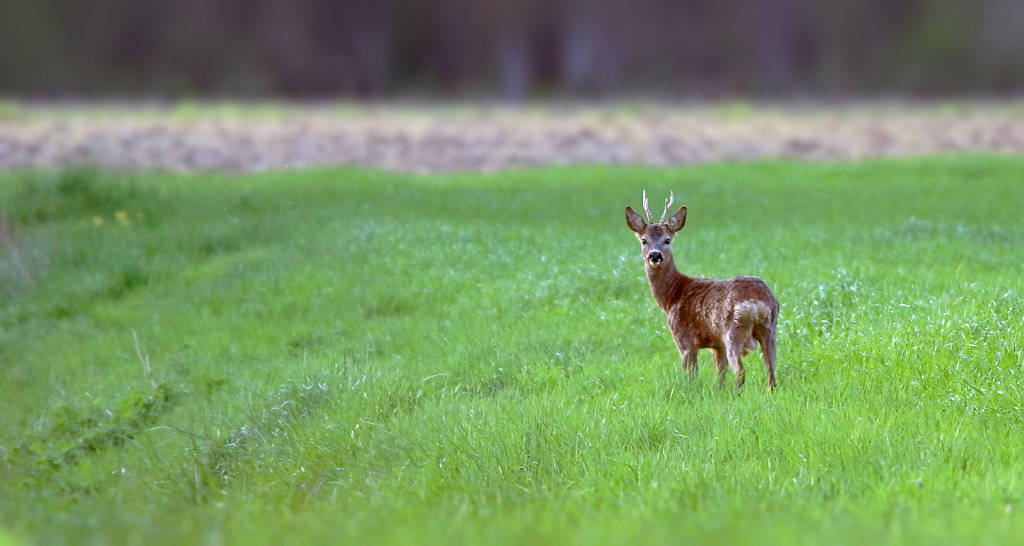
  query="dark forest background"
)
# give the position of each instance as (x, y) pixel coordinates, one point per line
(510, 49)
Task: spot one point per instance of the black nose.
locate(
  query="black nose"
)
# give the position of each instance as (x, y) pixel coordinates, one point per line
(654, 256)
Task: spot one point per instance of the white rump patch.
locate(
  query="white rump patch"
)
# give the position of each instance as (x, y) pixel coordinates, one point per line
(752, 312)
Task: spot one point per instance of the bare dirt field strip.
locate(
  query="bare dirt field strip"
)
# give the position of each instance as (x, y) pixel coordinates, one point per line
(453, 139)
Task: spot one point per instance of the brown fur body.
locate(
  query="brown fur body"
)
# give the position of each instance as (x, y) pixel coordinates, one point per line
(730, 317)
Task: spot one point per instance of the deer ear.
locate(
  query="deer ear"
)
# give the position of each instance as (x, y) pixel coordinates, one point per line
(635, 221)
(678, 220)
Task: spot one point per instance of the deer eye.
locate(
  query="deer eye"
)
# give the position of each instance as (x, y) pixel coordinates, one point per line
(643, 241)
(668, 241)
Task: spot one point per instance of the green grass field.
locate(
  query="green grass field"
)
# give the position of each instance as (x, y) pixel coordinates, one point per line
(346, 356)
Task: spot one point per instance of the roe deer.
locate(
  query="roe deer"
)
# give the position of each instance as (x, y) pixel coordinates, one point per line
(730, 317)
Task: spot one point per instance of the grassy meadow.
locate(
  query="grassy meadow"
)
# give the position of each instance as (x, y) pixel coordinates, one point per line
(348, 356)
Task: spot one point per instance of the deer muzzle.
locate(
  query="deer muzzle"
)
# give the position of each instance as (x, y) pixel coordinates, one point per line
(655, 257)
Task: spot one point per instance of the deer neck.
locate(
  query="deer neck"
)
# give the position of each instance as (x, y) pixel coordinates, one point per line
(667, 283)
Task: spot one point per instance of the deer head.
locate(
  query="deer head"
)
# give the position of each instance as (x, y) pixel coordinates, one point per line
(656, 238)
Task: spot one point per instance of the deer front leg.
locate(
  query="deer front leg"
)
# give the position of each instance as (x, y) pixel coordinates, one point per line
(690, 363)
(721, 364)
(688, 351)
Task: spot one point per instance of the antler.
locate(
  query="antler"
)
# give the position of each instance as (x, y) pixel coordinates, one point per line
(647, 210)
(668, 203)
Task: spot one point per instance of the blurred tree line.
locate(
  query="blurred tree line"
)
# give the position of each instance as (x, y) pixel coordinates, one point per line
(509, 48)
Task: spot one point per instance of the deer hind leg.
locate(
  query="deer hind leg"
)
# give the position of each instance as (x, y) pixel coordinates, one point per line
(749, 347)
(721, 365)
(766, 337)
(735, 342)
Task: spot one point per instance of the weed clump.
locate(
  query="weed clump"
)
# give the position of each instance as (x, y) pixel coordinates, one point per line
(74, 436)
